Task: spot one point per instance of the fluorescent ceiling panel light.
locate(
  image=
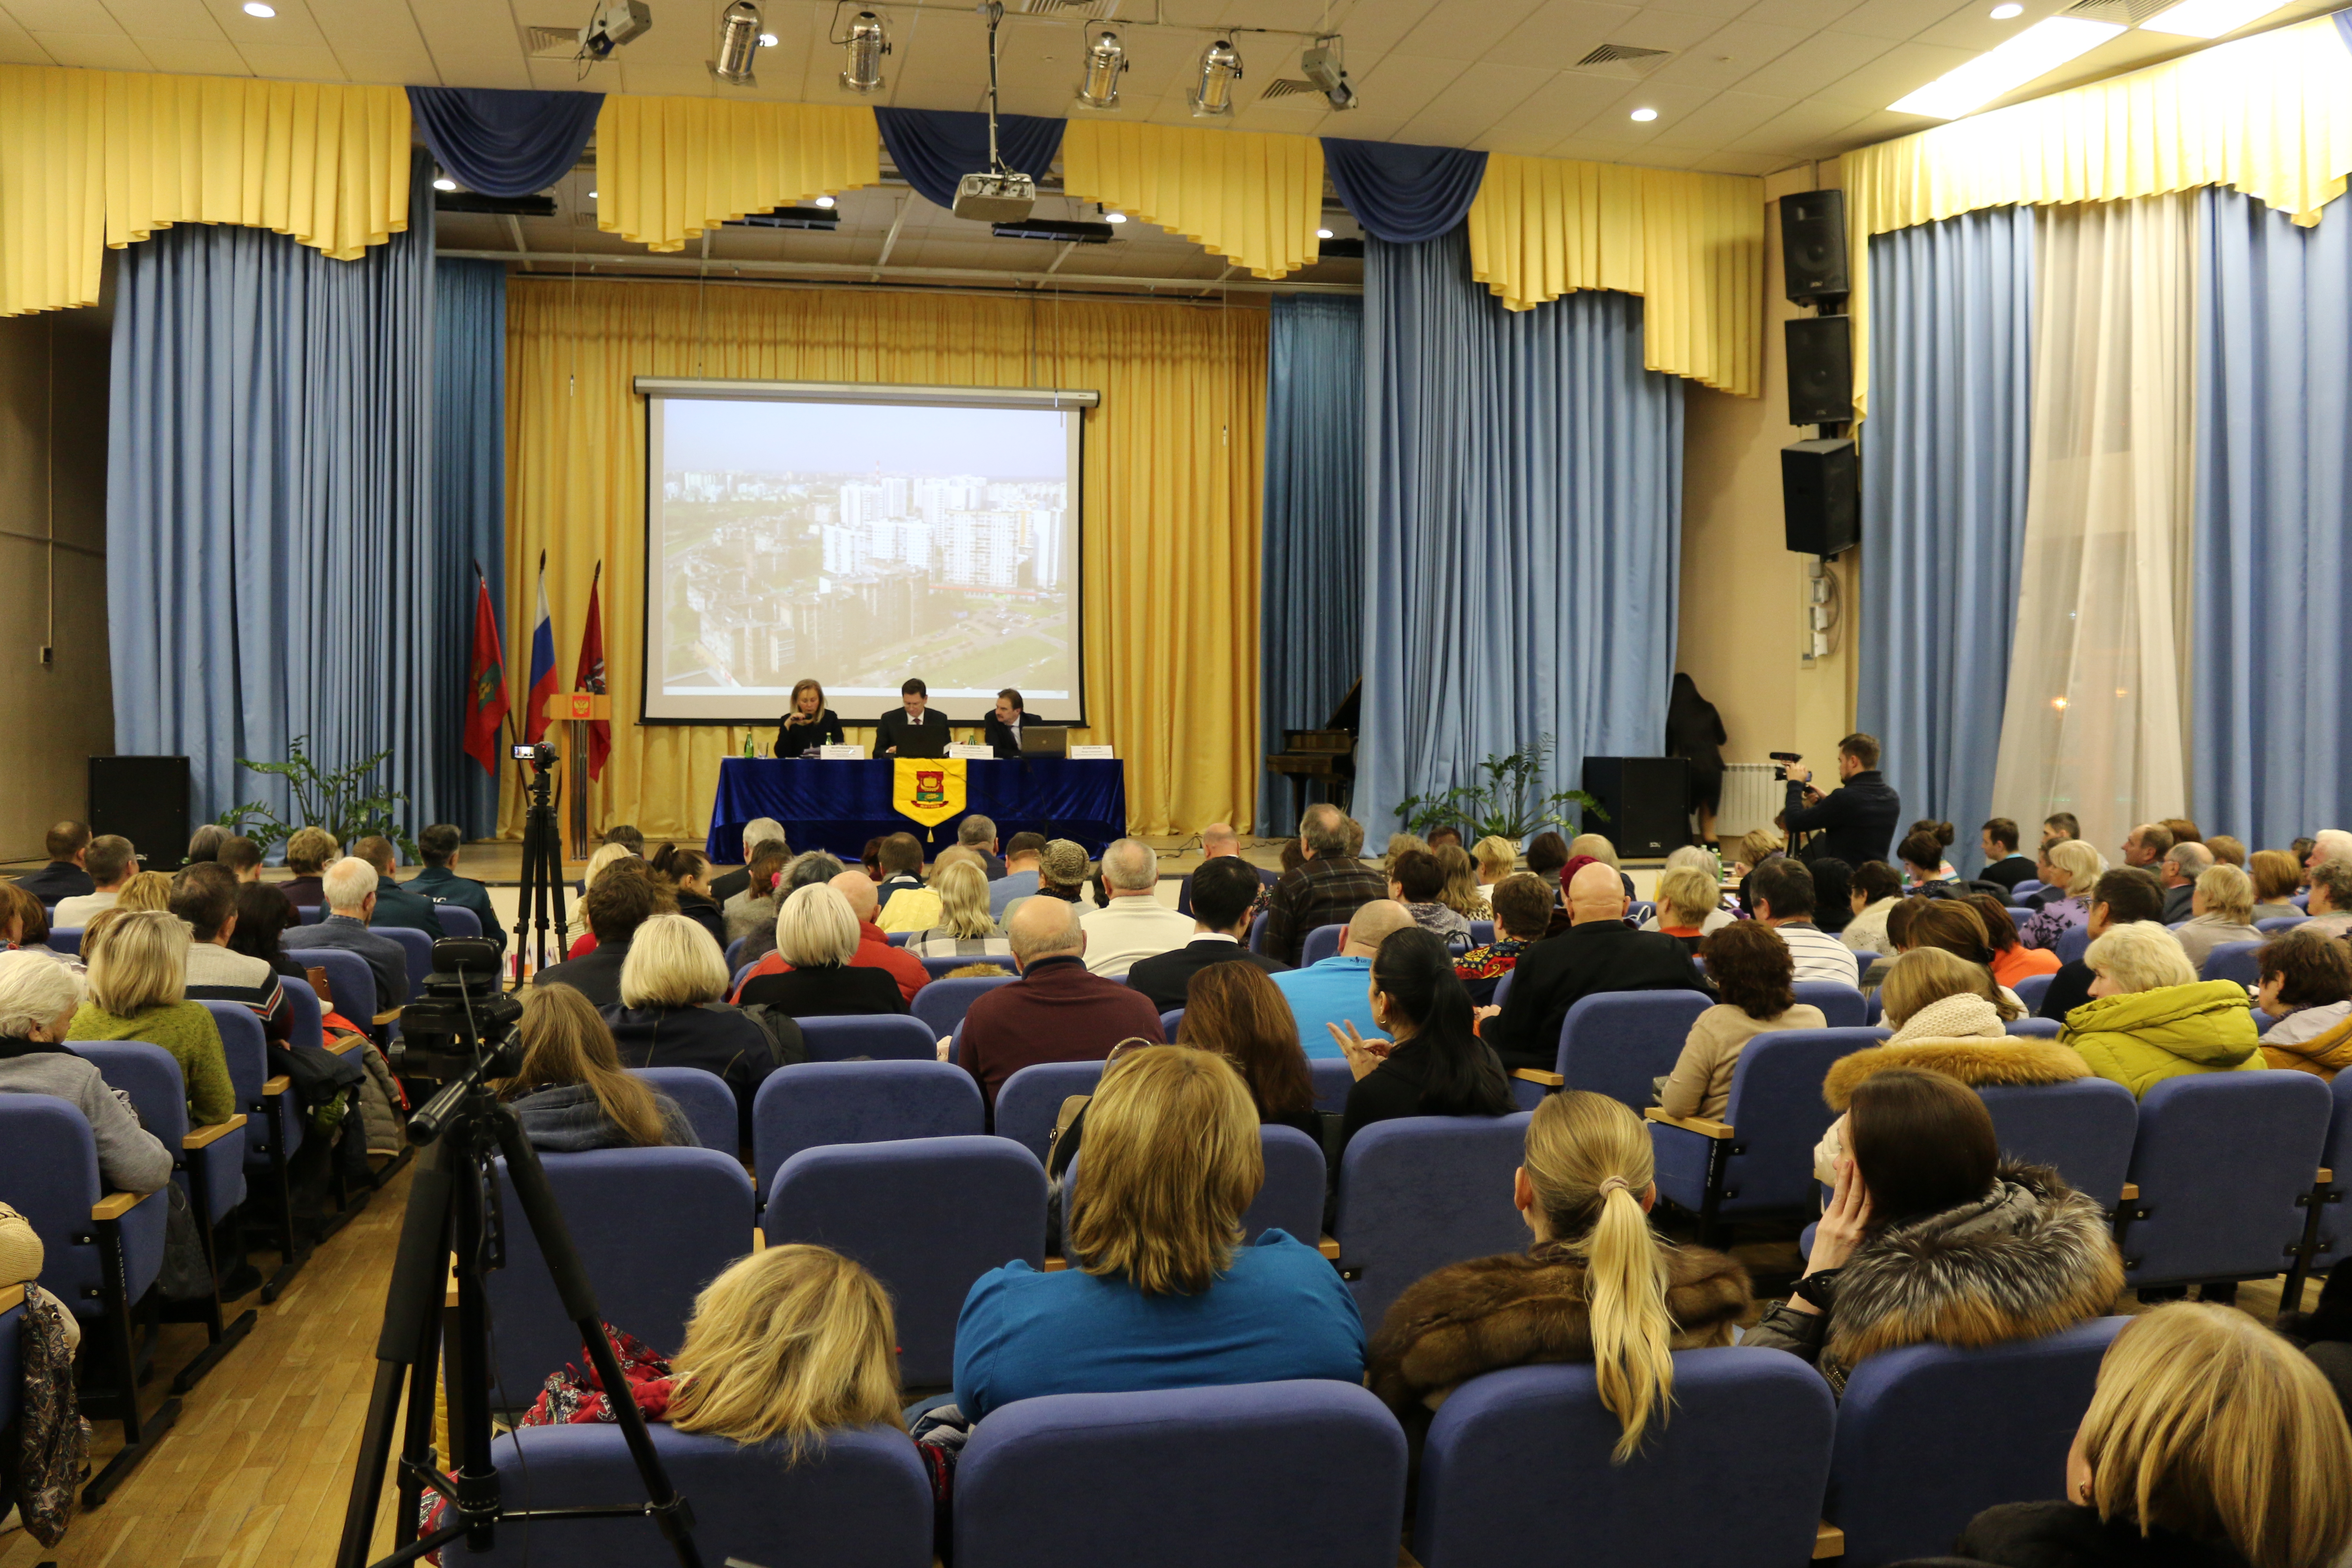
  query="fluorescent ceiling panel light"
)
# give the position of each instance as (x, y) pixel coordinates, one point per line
(2208, 19)
(2035, 52)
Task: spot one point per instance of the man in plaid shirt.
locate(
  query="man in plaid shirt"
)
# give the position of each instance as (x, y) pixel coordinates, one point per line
(1328, 890)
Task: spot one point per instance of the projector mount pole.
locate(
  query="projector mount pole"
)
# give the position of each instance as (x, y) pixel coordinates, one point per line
(994, 11)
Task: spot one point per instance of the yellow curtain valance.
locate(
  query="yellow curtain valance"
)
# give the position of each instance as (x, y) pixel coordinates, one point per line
(2270, 116)
(1253, 197)
(92, 159)
(669, 168)
(1691, 245)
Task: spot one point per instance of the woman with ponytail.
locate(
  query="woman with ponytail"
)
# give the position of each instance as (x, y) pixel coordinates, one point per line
(1599, 1285)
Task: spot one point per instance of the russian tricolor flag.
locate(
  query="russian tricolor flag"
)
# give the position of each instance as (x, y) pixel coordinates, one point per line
(542, 664)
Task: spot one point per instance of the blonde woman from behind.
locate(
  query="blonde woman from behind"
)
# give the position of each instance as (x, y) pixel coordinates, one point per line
(1598, 1285)
(787, 1345)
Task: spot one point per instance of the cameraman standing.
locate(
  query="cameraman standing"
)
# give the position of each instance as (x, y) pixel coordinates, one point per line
(1854, 823)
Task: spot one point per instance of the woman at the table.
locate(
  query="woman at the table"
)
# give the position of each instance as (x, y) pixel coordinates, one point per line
(807, 722)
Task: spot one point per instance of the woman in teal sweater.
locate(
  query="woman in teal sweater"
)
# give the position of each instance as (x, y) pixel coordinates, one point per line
(137, 988)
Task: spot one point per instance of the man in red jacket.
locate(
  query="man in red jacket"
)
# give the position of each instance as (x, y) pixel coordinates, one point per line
(1056, 1012)
(873, 948)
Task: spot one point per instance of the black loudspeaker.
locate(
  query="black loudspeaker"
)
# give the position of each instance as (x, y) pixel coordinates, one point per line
(1812, 245)
(1647, 800)
(144, 799)
(1820, 370)
(1821, 496)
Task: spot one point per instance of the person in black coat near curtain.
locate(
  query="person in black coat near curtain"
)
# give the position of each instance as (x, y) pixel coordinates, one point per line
(1694, 733)
(807, 722)
(1854, 823)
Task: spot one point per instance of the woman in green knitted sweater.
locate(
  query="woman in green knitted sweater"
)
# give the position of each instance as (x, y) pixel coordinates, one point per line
(137, 988)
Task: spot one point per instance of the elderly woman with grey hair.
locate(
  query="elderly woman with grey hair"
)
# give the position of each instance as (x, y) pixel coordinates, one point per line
(2221, 910)
(37, 1003)
(816, 934)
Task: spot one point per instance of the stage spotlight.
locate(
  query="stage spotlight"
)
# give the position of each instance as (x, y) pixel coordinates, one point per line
(1106, 62)
(767, 40)
(1220, 67)
(1325, 63)
(739, 39)
(867, 43)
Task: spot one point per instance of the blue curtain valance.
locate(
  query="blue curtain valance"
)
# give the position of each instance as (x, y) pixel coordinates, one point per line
(1403, 194)
(934, 148)
(503, 142)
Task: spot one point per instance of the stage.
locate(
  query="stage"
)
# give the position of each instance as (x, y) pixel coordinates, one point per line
(839, 805)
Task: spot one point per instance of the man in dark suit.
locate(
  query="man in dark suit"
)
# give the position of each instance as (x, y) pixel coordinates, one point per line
(911, 729)
(1599, 952)
(1853, 824)
(63, 877)
(1002, 730)
(396, 905)
(2177, 871)
(1219, 841)
(349, 891)
(626, 897)
(1224, 895)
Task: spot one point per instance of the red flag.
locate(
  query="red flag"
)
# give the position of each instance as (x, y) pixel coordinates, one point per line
(486, 686)
(590, 675)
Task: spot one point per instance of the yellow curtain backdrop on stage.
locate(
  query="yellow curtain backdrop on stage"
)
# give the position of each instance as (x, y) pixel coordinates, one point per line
(1172, 487)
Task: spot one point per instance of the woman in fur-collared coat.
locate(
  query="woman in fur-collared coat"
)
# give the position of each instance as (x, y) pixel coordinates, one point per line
(1931, 1240)
(1585, 1190)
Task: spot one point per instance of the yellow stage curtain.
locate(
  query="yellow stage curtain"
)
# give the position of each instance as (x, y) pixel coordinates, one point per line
(1691, 245)
(1173, 485)
(668, 168)
(2270, 115)
(1254, 198)
(52, 187)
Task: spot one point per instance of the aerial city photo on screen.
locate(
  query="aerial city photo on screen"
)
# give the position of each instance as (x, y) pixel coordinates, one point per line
(856, 543)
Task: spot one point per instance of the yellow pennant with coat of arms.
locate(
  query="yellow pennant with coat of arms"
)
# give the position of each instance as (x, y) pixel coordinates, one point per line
(926, 789)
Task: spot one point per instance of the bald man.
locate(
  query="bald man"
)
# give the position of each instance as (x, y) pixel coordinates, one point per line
(1338, 989)
(873, 948)
(1219, 840)
(1057, 1012)
(1598, 952)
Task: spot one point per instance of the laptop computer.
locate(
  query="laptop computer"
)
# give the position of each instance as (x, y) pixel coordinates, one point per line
(1044, 741)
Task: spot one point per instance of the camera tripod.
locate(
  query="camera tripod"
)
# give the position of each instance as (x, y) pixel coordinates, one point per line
(451, 1209)
(543, 877)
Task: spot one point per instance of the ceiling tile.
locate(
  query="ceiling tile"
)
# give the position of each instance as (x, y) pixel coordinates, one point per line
(61, 17)
(1559, 33)
(1720, 161)
(1479, 98)
(292, 62)
(1720, 117)
(93, 51)
(194, 57)
(1656, 29)
(1796, 130)
(1372, 28)
(1901, 70)
(1882, 126)
(1614, 123)
(1736, 51)
(156, 19)
(1395, 90)
(1811, 15)
(294, 23)
(474, 44)
(18, 48)
(1465, 29)
(667, 80)
(377, 40)
(1555, 111)
(1819, 60)
(1972, 26)
(1898, 19)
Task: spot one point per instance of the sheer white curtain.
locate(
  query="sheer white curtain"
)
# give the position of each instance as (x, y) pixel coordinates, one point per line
(2097, 721)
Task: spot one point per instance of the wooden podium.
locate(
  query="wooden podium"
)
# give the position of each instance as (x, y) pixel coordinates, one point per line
(575, 710)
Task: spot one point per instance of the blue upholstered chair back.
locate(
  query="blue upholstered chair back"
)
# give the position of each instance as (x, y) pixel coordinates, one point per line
(1777, 1116)
(811, 1104)
(1257, 931)
(1032, 1097)
(2220, 1160)
(2033, 989)
(1617, 1042)
(2032, 1028)
(1422, 1190)
(1517, 1469)
(1929, 1437)
(652, 1227)
(349, 979)
(246, 1049)
(457, 920)
(943, 1003)
(708, 1103)
(1320, 944)
(2072, 944)
(2335, 1158)
(735, 951)
(2279, 923)
(151, 1075)
(926, 1215)
(1502, 987)
(1481, 932)
(66, 941)
(938, 968)
(305, 1017)
(418, 945)
(1269, 1474)
(2234, 961)
(48, 1169)
(1292, 1198)
(2083, 1130)
(1332, 1081)
(310, 913)
(861, 1500)
(881, 1036)
(1841, 1005)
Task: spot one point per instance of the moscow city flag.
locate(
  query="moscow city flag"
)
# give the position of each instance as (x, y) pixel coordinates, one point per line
(590, 675)
(542, 665)
(486, 683)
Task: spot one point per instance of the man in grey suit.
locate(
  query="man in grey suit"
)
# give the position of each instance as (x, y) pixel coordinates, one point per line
(350, 892)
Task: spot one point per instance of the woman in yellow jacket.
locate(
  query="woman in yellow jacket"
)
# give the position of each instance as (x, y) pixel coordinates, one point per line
(2150, 1018)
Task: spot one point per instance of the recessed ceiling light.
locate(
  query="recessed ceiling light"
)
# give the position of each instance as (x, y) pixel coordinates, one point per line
(256, 8)
(1645, 115)
(824, 201)
(1322, 234)
(592, 195)
(767, 40)
(2207, 18)
(1114, 218)
(2035, 52)
(445, 183)
(2003, 12)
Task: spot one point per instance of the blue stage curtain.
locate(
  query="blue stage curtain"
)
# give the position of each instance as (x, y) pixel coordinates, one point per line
(1403, 194)
(2272, 745)
(1943, 506)
(1310, 639)
(1523, 484)
(934, 148)
(271, 562)
(504, 142)
(469, 507)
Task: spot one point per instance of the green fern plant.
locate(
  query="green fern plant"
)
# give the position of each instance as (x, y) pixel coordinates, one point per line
(341, 800)
(1509, 803)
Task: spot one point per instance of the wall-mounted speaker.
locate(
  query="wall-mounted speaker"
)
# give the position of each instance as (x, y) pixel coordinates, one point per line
(1820, 370)
(1820, 497)
(1647, 800)
(1812, 245)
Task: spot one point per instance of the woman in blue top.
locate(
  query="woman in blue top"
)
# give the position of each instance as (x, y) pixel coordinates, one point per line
(1159, 1294)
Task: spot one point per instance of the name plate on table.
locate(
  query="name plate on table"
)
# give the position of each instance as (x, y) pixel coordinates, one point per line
(973, 753)
(1090, 753)
(851, 752)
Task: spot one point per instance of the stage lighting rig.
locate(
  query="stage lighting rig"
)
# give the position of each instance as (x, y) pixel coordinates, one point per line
(1220, 67)
(867, 41)
(1325, 63)
(1105, 63)
(739, 41)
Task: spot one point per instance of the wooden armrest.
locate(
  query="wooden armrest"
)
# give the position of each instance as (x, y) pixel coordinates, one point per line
(1328, 1249)
(278, 1085)
(759, 1239)
(11, 1297)
(1698, 1124)
(1537, 1075)
(114, 1205)
(1829, 1541)
(389, 1016)
(1056, 1265)
(2131, 1192)
(2326, 1177)
(204, 1137)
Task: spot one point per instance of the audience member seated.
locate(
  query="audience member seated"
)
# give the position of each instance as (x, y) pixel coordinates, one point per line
(2146, 846)
(1063, 873)
(144, 891)
(64, 877)
(1293, 855)
(1460, 893)
(1329, 886)
(1832, 894)
(1337, 990)
(754, 908)
(2059, 825)
(2183, 831)
(2181, 866)
(1782, 891)
(1056, 1012)
(759, 833)
(1399, 845)
(1719, 912)
(2221, 911)
(1922, 854)
(874, 947)
(1020, 879)
(965, 928)
(205, 895)
(2307, 986)
(396, 905)
(1496, 858)
(1598, 953)
(2230, 851)
(439, 846)
(1958, 928)
(1547, 855)
(1234, 1010)
(2150, 1018)
(1598, 1284)
(902, 859)
(2210, 1443)
(1218, 842)
(1158, 1294)
(570, 1093)
(626, 897)
(1875, 889)
(1522, 905)
(1756, 847)
(1596, 846)
(308, 851)
(2003, 863)
(351, 895)
(1432, 1062)
(2069, 869)
(1416, 882)
(917, 909)
(40, 1003)
(111, 862)
(786, 1345)
(2277, 878)
(1225, 891)
(977, 833)
(672, 1013)
(816, 939)
(2120, 896)
(687, 872)
(2012, 961)
(2331, 898)
(25, 925)
(138, 991)
(1134, 923)
(1930, 1240)
(1754, 975)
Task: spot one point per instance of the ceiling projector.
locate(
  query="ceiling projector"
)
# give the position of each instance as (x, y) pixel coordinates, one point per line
(1002, 196)
(612, 24)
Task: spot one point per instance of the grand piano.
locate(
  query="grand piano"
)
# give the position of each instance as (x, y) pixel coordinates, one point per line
(1327, 754)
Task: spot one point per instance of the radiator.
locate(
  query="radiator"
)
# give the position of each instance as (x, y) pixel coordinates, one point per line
(1753, 795)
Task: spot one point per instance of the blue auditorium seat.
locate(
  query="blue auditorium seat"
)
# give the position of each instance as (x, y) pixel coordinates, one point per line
(1333, 1079)
(2083, 1130)
(2222, 1162)
(708, 1103)
(1029, 1101)
(1422, 1191)
(809, 1105)
(418, 945)
(943, 1003)
(1296, 1178)
(1841, 1005)
(2234, 961)
(2326, 1227)
(1617, 1042)
(2034, 988)
(1319, 944)
(883, 1037)
(457, 920)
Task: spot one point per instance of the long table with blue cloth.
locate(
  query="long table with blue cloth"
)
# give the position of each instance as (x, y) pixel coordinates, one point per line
(838, 806)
